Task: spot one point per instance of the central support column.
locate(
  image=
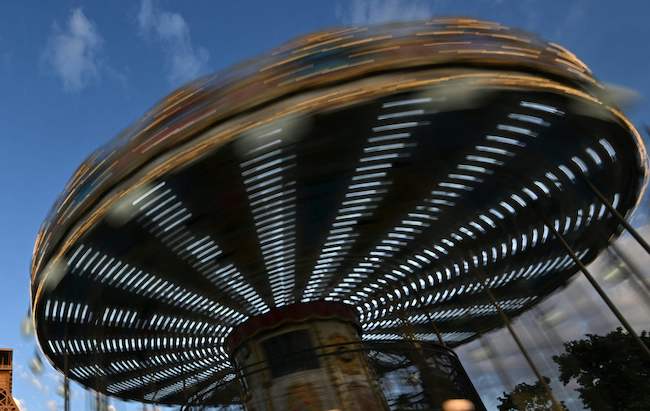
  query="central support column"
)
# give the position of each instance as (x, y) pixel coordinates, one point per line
(305, 357)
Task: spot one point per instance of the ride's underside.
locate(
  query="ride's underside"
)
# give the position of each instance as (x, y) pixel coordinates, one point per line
(402, 194)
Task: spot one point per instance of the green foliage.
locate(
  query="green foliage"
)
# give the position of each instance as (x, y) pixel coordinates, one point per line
(612, 372)
(527, 397)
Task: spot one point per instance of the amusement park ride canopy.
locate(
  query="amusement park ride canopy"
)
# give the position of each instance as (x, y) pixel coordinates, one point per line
(397, 169)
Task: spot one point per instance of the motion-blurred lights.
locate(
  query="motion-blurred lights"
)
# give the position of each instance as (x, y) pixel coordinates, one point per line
(614, 275)
(618, 96)
(589, 109)
(554, 318)
(127, 206)
(458, 405)
(27, 326)
(610, 95)
(455, 95)
(481, 354)
(282, 130)
(36, 365)
(54, 273)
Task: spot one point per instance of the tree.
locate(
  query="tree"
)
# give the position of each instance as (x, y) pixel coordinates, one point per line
(527, 397)
(612, 371)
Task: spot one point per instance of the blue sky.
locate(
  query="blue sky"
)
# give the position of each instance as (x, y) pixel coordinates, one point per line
(74, 73)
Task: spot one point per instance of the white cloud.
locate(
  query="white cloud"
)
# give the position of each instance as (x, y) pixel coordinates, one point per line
(51, 405)
(185, 61)
(31, 378)
(72, 51)
(382, 11)
(20, 404)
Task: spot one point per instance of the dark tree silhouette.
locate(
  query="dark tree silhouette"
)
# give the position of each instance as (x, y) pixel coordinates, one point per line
(527, 397)
(612, 371)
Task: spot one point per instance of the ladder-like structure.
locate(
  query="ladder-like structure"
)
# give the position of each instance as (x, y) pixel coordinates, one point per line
(7, 402)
